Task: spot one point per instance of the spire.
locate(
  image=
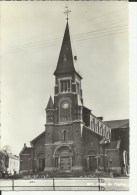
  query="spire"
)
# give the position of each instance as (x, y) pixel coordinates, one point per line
(50, 104)
(65, 62)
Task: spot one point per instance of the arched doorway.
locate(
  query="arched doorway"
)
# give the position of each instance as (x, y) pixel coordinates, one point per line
(92, 160)
(63, 159)
(41, 161)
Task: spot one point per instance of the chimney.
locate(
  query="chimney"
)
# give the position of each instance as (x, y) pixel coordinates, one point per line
(100, 118)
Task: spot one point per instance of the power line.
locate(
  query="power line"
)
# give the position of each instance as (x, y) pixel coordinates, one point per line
(103, 35)
(17, 51)
(25, 50)
(77, 36)
(57, 39)
(104, 29)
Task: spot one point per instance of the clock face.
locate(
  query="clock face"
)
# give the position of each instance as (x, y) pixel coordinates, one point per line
(65, 105)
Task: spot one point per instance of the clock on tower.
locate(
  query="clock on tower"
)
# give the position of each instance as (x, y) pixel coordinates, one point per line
(65, 111)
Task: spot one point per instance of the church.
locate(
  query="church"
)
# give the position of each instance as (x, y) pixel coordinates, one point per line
(74, 140)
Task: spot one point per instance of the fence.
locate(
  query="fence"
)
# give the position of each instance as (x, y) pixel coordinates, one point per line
(54, 184)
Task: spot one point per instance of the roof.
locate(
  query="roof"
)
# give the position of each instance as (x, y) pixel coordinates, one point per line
(93, 132)
(13, 156)
(26, 150)
(10, 155)
(43, 133)
(65, 62)
(50, 104)
(115, 124)
(87, 109)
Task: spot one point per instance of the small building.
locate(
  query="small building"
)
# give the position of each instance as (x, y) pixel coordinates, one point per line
(9, 163)
(13, 164)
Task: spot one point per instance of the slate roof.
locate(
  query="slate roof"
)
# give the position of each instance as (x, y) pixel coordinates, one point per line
(65, 62)
(115, 124)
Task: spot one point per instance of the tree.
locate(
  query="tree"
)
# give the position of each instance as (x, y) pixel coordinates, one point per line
(7, 149)
(2, 162)
(4, 158)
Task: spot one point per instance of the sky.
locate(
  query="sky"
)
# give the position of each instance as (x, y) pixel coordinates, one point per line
(31, 37)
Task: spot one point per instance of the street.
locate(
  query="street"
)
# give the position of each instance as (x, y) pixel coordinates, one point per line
(73, 184)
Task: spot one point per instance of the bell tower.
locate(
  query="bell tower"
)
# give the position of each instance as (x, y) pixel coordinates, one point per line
(68, 92)
(64, 124)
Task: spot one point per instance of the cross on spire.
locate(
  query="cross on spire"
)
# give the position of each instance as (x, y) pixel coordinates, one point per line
(67, 12)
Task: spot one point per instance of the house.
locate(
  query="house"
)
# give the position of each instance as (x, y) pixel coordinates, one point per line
(13, 164)
(9, 163)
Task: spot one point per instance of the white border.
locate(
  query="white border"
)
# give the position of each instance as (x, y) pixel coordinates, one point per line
(133, 112)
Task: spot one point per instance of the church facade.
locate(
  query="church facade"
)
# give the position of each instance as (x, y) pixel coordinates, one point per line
(74, 140)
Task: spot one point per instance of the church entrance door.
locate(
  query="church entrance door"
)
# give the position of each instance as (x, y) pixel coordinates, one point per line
(63, 160)
(65, 164)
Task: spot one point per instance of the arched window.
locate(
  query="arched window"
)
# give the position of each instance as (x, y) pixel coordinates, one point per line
(97, 126)
(65, 111)
(104, 132)
(65, 85)
(65, 135)
(101, 129)
(93, 123)
(78, 87)
(107, 134)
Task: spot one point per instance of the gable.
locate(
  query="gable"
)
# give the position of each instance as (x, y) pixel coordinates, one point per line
(38, 138)
(26, 150)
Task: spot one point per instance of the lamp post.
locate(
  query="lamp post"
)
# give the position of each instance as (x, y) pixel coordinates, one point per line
(103, 142)
(104, 164)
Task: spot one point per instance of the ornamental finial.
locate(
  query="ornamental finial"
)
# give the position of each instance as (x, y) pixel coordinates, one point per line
(67, 12)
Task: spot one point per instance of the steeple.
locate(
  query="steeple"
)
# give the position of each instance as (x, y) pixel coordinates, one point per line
(65, 62)
(50, 104)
